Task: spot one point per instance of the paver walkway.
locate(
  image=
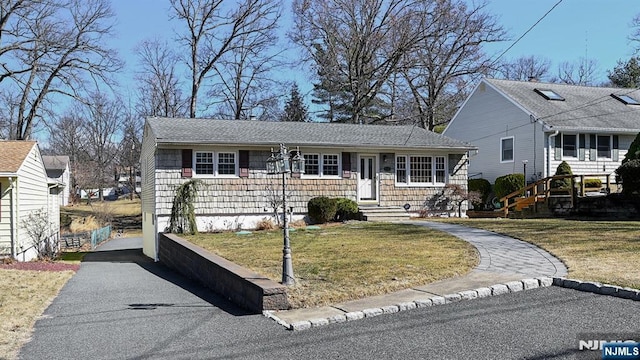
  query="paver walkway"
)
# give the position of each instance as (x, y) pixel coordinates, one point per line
(499, 253)
(502, 259)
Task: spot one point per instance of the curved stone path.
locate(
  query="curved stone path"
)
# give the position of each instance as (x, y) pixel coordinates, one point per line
(503, 260)
(500, 253)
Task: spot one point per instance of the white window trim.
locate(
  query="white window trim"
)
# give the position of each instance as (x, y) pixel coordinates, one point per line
(577, 147)
(321, 174)
(610, 157)
(215, 165)
(513, 149)
(409, 183)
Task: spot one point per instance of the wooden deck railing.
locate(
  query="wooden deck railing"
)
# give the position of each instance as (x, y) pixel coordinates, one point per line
(541, 190)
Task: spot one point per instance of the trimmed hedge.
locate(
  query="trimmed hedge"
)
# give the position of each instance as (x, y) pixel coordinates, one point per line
(507, 184)
(322, 209)
(592, 183)
(483, 186)
(347, 209)
(630, 174)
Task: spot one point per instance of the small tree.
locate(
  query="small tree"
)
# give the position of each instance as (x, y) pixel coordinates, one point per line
(451, 198)
(37, 227)
(295, 109)
(563, 169)
(183, 218)
(634, 150)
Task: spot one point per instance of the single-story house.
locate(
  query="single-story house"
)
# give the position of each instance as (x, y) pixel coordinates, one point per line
(25, 190)
(58, 169)
(373, 165)
(531, 127)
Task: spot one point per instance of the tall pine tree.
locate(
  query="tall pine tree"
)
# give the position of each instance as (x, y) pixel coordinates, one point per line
(295, 109)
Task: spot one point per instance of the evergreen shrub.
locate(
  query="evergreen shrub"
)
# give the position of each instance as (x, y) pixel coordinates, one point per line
(346, 209)
(563, 169)
(482, 186)
(507, 184)
(322, 209)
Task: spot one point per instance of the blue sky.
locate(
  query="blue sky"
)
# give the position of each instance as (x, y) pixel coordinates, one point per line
(597, 29)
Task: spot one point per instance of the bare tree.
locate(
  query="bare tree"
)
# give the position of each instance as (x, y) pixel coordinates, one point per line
(357, 45)
(215, 28)
(525, 68)
(52, 47)
(39, 230)
(243, 79)
(581, 73)
(128, 156)
(436, 69)
(159, 87)
(103, 122)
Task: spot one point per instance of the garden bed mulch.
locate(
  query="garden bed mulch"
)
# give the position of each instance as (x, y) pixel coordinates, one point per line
(40, 266)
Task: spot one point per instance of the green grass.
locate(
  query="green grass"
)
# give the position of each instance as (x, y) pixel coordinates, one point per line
(602, 251)
(344, 262)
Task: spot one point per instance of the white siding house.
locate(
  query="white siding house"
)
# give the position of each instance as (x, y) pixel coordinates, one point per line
(25, 190)
(58, 170)
(373, 165)
(534, 125)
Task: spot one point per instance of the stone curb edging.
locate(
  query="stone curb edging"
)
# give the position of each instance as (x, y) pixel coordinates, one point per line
(498, 289)
(598, 288)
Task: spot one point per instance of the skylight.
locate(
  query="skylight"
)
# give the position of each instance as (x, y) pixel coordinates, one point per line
(549, 94)
(626, 99)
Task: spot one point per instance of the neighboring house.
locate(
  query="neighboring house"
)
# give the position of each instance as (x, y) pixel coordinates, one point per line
(373, 165)
(25, 190)
(518, 124)
(58, 169)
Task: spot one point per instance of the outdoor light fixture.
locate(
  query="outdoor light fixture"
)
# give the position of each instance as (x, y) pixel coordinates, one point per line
(282, 163)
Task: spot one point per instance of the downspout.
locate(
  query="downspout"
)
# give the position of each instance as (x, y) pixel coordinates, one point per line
(549, 152)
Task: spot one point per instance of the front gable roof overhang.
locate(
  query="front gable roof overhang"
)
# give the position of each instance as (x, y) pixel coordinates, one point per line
(181, 132)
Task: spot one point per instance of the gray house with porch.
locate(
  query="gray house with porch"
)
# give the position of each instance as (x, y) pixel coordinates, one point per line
(374, 165)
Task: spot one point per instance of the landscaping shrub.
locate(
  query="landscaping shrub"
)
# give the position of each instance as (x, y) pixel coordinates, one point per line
(346, 209)
(322, 209)
(266, 224)
(629, 172)
(507, 184)
(592, 183)
(482, 186)
(563, 169)
(634, 150)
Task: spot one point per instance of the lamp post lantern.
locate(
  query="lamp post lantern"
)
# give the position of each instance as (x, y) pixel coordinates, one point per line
(281, 162)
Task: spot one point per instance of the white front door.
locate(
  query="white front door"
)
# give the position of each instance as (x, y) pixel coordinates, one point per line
(367, 179)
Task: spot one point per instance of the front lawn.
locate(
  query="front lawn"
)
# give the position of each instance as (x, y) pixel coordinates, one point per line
(343, 262)
(602, 251)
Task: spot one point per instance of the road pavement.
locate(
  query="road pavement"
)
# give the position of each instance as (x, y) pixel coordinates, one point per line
(121, 305)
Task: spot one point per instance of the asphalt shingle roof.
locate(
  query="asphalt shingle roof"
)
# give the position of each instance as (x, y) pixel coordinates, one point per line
(243, 132)
(585, 108)
(13, 154)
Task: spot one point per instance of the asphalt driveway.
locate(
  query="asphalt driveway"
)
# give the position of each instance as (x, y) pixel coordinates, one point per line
(121, 305)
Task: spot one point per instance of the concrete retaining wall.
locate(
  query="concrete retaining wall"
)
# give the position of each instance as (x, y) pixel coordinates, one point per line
(245, 288)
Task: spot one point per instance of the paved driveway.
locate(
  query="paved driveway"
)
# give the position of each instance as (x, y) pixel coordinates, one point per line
(120, 305)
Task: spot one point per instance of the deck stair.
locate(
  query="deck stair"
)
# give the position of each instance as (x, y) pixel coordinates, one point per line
(539, 199)
(383, 213)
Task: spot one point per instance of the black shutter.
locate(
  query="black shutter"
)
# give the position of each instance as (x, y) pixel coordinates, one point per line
(187, 163)
(593, 152)
(581, 147)
(346, 165)
(243, 162)
(616, 157)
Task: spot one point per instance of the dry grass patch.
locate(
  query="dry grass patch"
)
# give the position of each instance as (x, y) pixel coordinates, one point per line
(346, 262)
(24, 295)
(602, 251)
(123, 207)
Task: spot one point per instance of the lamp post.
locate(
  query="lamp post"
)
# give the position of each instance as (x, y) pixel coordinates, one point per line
(524, 170)
(281, 162)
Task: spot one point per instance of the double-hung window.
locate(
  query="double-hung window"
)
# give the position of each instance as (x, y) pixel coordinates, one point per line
(204, 163)
(321, 165)
(210, 163)
(506, 149)
(604, 146)
(420, 170)
(569, 145)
